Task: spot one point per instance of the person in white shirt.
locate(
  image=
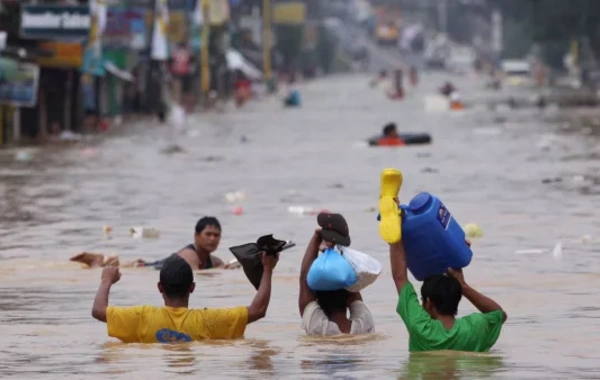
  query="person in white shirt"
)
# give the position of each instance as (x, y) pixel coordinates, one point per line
(326, 313)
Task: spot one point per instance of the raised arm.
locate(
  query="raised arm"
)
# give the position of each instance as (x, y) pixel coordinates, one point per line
(398, 264)
(482, 303)
(306, 295)
(110, 275)
(258, 308)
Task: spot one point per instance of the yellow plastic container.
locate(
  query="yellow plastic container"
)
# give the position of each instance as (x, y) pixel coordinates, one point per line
(390, 227)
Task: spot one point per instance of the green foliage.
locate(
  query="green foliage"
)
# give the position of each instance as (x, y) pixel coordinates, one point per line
(556, 20)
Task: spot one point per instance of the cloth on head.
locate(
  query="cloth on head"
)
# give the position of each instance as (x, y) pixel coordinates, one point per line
(334, 228)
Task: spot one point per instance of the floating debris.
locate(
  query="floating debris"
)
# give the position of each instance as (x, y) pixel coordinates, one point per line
(429, 170)
(23, 156)
(551, 180)
(106, 230)
(144, 233)
(301, 210)
(557, 251)
(530, 251)
(235, 196)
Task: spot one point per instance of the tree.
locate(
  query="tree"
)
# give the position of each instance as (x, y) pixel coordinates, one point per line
(554, 23)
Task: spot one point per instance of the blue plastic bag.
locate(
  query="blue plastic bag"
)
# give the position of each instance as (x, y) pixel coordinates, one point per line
(330, 271)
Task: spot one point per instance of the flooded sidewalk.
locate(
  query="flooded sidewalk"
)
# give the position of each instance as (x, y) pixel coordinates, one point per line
(487, 172)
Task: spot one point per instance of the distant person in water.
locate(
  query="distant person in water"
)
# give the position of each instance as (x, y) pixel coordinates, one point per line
(414, 76)
(389, 137)
(397, 91)
(447, 89)
(293, 98)
(390, 130)
(455, 101)
(199, 254)
(326, 312)
(243, 88)
(432, 325)
(175, 322)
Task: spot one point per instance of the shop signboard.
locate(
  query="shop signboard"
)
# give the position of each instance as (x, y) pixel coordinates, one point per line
(125, 28)
(65, 55)
(18, 83)
(292, 13)
(71, 22)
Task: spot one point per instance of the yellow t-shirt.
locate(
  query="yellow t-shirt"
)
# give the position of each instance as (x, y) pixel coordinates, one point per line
(149, 324)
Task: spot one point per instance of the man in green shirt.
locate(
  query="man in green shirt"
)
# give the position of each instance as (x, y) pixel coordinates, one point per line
(434, 326)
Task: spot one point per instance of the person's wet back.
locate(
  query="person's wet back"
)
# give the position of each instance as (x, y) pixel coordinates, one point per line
(175, 322)
(433, 325)
(326, 312)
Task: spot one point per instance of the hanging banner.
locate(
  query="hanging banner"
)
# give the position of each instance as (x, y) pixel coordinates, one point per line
(92, 58)
(293, 13)
(18, 83)
(178, 27)
(138, 29)
(180, 5)
(160, 47)
(125, 28)
(55, 21)
(195, 22)
(218, 12)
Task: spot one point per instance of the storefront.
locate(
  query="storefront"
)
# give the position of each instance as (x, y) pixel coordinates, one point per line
(124, 38)
(59, 30)
(20, 76)
(18, 90)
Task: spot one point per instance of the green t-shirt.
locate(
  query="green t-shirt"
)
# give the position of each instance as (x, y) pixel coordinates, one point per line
(474, 333)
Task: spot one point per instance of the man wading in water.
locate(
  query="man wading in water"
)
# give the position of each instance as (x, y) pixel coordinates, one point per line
(198, 254)
(175, 322)
(326, 313)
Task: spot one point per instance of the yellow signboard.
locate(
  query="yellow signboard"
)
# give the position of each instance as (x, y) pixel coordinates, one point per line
(218, 12)
(66, 55)
(289, 13)
(177, 27)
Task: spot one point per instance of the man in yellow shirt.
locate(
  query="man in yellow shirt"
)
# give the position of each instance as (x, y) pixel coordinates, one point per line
(175, 323)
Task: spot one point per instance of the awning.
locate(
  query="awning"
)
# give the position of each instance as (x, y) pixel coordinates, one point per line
(121, 74)
(236, 61)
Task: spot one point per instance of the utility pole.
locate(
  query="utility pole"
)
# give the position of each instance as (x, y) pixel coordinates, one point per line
(442, 6)
(266, 42)
(497, 40)
(204, 52)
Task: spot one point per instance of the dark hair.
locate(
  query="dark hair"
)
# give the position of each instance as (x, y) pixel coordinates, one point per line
(331, 301)
(207, 221)
(176, 277)
(389, 128)
(444, 292)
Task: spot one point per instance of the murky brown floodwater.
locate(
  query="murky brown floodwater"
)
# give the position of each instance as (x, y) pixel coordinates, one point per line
(489, 171)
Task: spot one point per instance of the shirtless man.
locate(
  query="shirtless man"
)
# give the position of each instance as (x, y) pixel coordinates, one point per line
(199, 254)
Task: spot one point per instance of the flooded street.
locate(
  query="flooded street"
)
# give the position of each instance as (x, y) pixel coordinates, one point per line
(488, 170)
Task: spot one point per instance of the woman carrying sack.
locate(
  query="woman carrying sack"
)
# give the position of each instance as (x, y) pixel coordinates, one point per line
(324, 312)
